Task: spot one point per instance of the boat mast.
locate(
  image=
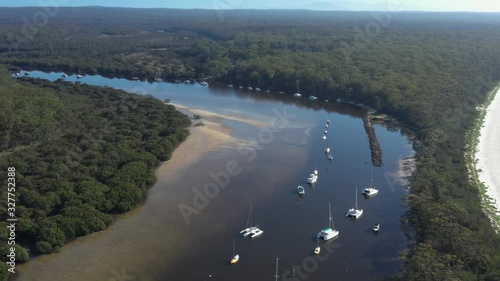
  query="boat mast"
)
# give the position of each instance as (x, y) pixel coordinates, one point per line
(251, 215)
(233, 247)
(356, 199)
(276, 274)
(330, 221)
(371, 177)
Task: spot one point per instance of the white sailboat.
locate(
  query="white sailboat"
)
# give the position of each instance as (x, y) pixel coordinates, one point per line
(370, 191)
(235, 257)
(250, 230)
(297, 94)
(79, 75)
(330, 232)
(355, 212)
(157, 78)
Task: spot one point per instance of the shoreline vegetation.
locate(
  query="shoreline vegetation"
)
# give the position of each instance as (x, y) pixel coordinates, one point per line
(430, 83)
(81, 153)
(375, 149)
(477, 152)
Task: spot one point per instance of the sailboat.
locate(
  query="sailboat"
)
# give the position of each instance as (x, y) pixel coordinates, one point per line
(297, 94)
(330, 232)
(252, 231)
(355, 212)
(157, 78)
(234, 258)
(79, 74)
(370, 191)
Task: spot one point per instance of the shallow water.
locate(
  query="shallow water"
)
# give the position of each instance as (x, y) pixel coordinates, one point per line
(156, 243)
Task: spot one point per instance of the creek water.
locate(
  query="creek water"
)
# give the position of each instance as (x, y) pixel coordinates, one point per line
(155, 242)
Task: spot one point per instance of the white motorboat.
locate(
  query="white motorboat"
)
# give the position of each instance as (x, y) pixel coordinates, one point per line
(326, 132)
(250, 88)
(297, 95)
(355, 212)
(324, 137)
(327, 150)
(326, 126)
(235, 257)
(328, 122)
(376, 227)
(301, 190)
(241, 87)
(229, 86)
(257, 89)
(339, 100)
(330, 232)
(330, 157)
(203, 83)
(187, 82)
(64, 75)
(313, 98)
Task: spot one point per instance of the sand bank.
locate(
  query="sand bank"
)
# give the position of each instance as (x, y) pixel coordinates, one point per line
(126, 246)
(488, 151)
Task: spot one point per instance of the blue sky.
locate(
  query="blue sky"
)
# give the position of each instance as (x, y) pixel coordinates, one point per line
(420, 5)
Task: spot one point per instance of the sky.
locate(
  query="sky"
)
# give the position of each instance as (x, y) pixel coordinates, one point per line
(408, 5)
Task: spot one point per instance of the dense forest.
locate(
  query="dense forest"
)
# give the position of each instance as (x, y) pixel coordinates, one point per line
(81, 153)
(428, 70)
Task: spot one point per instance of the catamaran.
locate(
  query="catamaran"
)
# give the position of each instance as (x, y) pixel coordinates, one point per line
(330, 232)
(355, 212)
(370, 191)
(252, 231)
(234, 258)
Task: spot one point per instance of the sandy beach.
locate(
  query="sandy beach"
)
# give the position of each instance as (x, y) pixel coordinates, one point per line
(85, 258)
(488, 151)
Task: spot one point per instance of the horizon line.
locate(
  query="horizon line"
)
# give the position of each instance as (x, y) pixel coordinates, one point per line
(255, 9)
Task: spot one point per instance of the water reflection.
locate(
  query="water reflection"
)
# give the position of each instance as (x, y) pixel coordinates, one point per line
(157, 244)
